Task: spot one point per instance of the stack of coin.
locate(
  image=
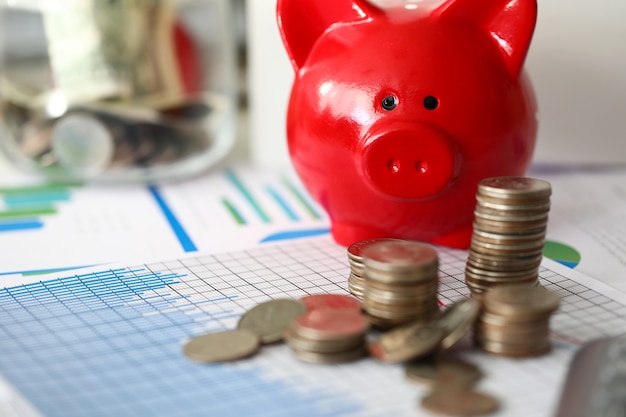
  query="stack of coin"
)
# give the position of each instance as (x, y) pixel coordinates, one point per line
(509, 232)
(515, 321)
(401, 282)
(328, 336)
(356, 281)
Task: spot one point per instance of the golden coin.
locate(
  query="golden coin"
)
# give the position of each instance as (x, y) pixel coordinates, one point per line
(505, 204)
(444, 370)
(521, 274)
(463, 402)
(270, 319)
(514, 187)
(517, 300)
(330, 358)
(355, 251)
(457, 320)
(525, 200)
(490, 319)
(503, 265)
(492, 216)
(298, 342)
(400, 256)
(405, 313)
(332, 301)
(517, 338)
(407, 342)
(513, 351)
(329, 324)
(418, 276)
(222, 346)
(426, 287)
(507, 238)
(399, 297)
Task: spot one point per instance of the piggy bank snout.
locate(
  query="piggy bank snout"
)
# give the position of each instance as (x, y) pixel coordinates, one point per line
(411, 162)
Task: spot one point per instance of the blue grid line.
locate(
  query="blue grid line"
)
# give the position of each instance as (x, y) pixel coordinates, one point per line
(75, 347)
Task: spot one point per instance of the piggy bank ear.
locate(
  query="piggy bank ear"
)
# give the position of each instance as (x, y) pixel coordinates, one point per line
(302, 22)
(510, 23)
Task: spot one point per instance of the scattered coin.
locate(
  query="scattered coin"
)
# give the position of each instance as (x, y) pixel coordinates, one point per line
(407, 342)
(222, 346)
(271, 319)
(464, 402)
(457, 319)
(400, 296)
(445, 371)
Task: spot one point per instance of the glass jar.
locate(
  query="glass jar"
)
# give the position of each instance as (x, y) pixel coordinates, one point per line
(117, 90)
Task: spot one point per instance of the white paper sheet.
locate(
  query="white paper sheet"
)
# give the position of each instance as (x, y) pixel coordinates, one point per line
(108, 341)
(588, 214)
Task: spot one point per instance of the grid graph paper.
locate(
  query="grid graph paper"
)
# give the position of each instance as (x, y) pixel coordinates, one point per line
(109, 343)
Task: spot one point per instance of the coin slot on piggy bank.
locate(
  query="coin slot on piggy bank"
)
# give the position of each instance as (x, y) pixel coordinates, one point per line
(398, 111)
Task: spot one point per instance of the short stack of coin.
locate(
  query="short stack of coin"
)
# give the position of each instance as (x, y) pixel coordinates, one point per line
(509, 232)
(356, 281)
(401, 282)
(328, 336)
(515, 321)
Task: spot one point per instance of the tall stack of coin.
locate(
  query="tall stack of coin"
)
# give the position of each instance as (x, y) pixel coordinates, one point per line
(401, 282)
(515, 321)
(509, 232)
(356, 281)
(328, 335)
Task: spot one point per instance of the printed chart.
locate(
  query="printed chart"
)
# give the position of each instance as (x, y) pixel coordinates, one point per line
(109, 342)
(47, 228)
(26, 208)
(561, 253)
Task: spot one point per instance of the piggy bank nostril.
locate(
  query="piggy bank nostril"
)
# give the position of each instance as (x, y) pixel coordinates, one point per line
(421, 167)
(393, 165)
(408, 169)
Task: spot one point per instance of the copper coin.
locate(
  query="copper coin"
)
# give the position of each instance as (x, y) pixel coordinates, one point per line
(330, 358)
(457, 320)
(463, 402)
(333, 301)
(407, 342)
(515, 300)
(444, 370)
(514, 187)
(400, 255)
(355, 251)
(329, 324)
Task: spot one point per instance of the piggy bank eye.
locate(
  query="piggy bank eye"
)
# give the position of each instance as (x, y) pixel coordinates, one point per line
(431, 103)
(389, 103)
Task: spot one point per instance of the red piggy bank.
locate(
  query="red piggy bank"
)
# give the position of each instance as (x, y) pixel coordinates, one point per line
(395, 115)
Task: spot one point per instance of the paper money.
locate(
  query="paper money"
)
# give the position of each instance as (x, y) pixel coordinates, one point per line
(119, 49)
